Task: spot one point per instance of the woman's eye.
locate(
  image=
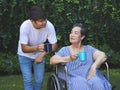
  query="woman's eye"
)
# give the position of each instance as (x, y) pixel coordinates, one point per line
(76, 32)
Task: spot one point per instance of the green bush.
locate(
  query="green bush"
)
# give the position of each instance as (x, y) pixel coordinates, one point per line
(48, 67)
(101, 16)
(113, 57)
(9, 64)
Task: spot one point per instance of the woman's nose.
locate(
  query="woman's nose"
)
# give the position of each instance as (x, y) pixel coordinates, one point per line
(72, 34)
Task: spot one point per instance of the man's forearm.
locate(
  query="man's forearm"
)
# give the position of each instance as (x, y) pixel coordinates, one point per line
(29, 49)
(54, 47)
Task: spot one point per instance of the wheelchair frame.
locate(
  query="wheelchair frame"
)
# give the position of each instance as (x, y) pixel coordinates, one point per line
(54, 82)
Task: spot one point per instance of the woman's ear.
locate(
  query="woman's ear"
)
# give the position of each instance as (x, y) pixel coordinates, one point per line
(83, 37)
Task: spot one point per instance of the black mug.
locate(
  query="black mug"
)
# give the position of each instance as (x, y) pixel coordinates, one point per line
(48, 47)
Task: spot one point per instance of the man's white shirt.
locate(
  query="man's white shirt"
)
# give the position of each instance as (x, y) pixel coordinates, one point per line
(33, 37)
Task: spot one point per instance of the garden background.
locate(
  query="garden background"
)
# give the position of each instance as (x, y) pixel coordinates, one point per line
(102, 18)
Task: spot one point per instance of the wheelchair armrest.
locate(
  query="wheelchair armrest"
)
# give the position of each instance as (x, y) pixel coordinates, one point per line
(62, 65)
(105, 66)
(107, 70)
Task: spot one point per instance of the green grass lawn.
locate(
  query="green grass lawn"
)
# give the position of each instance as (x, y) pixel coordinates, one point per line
(14, 82)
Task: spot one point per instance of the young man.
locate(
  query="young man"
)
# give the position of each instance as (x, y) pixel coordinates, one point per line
(33, 33)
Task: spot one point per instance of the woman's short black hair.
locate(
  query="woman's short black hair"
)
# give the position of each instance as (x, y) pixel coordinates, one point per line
(84, 30)
(36, 13)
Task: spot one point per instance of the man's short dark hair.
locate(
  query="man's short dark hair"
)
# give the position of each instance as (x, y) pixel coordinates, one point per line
(36, 13)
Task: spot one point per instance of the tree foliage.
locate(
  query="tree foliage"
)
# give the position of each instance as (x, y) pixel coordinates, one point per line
(102, 17)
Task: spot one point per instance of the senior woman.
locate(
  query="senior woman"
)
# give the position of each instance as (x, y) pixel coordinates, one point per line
(82, 75)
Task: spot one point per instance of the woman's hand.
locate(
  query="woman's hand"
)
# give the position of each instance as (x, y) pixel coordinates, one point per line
(92, 72)
(99, 57)
(73, 57)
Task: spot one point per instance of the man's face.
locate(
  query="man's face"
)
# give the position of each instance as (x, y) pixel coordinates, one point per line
(39, 23)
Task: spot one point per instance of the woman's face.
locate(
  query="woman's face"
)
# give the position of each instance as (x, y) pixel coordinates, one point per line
(75, 35)
(39, 24)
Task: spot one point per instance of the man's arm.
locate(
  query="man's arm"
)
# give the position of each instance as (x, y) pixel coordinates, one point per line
(54, 47)
(29, 49)
(39, 58)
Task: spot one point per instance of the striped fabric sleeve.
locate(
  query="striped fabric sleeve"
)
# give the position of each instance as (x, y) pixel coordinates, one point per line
(92, 49)
(61, 52)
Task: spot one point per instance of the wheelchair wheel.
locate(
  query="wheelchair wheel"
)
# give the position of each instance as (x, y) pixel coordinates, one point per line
(53, 83)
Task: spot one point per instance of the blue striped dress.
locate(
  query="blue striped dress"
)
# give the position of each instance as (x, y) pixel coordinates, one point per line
(78, 71)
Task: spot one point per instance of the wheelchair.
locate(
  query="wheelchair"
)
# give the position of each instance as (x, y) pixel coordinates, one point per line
(55, 83)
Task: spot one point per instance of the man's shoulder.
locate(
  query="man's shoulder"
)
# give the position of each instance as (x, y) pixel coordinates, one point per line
(26, 23)
(49, 24)
(25, 26)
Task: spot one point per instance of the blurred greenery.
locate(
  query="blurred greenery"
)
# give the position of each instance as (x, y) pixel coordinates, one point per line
(102, 17)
